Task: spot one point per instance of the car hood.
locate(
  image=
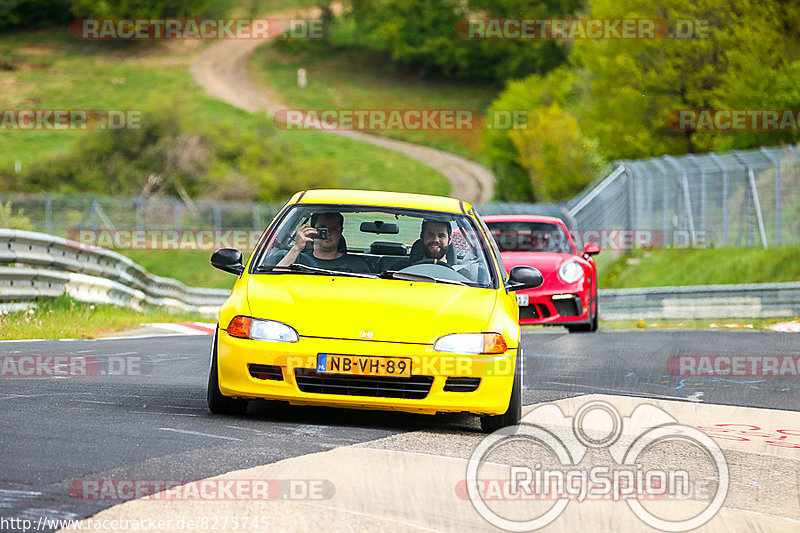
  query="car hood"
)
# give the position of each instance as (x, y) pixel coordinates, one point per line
(349, 308)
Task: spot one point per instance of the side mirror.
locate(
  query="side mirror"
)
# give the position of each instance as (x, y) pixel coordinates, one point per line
(228, 260)
(524, 277)
(591, 249)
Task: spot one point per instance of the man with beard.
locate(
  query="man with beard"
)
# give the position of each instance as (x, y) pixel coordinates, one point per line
(436, 237)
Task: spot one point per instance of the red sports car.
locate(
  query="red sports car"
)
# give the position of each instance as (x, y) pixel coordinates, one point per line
(568, 296)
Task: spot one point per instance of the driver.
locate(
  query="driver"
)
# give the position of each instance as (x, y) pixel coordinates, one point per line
(325, 253)
(436, 236)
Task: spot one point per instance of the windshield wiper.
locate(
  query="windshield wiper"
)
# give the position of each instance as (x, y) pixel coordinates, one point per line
(395, 274)
(297, 267)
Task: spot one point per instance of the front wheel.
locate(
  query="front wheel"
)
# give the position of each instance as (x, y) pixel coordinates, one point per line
(217, 403)
(491, 423)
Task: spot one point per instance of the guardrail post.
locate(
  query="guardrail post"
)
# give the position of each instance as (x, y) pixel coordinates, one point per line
(687, 199)
(256, 215)
(751, 178)
(138, 201)
(48, 213)
(217, 215)
(664, 200)
(777, 163)
(724, 168)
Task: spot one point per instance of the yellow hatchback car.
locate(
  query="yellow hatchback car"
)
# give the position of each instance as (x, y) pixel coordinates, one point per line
(372, 300)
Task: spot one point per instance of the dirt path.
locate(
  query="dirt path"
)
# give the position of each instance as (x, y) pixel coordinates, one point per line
(222, 70)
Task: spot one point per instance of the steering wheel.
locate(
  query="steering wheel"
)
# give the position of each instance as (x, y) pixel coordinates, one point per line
(433, 262)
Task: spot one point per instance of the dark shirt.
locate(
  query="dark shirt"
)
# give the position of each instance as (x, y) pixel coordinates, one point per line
(345, 263)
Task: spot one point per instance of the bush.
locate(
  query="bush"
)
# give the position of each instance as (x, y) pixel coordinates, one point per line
(9, 220)
(169, 154)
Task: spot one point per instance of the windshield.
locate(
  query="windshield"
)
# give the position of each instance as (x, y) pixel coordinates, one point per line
(520, 236)
(367, 241)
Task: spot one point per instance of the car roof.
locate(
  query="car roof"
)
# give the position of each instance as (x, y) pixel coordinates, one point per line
(380, 198)
(522, 218)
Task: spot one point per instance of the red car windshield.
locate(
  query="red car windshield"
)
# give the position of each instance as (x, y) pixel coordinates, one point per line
(521, 236)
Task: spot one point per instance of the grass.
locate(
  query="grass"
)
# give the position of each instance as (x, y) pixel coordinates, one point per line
(53, 71)
(352, 78)
(653, 268)
(667, 267)
(190, 267)
(64, 317)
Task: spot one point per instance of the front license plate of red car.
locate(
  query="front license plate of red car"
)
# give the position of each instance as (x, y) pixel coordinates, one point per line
(361, 365)
(522, 300)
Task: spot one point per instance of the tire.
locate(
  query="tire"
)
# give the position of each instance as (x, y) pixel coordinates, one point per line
(217, 403)
(491, 423)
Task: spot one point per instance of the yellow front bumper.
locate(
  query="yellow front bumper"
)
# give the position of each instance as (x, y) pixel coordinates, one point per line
(491, 397)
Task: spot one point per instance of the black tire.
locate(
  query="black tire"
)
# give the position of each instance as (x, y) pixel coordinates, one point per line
(491, 423)
(580, 328)
(596, 317)
(217, 403)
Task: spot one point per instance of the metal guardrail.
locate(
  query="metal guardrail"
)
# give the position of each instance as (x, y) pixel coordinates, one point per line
(758, 300)
(47, 266)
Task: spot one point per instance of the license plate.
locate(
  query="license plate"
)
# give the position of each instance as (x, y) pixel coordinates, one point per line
(523, 300)
(399, 367)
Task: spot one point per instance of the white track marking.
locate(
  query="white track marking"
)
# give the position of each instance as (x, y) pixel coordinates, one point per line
(197, 433)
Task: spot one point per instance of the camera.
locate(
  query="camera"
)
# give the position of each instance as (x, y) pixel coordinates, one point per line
(322, 233)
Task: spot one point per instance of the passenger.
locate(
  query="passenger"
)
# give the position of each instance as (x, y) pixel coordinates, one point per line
(329, 253)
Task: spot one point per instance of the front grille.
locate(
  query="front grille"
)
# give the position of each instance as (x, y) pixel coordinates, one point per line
(568, 307)
(266, 372)
(413, 388)
(461, 384)
(534, 311)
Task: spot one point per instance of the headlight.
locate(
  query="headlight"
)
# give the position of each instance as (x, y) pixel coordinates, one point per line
(570, 271)
(257, 329)
(474, 343)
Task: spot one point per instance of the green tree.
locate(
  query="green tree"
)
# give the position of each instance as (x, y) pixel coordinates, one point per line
(632, 85)
(550, 159)
(421, 35)
(559, 161)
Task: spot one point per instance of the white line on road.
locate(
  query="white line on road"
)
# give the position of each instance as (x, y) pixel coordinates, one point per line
(695, 396)
(198, 433)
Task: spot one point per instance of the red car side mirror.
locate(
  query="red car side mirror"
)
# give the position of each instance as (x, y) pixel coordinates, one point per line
(591, 249)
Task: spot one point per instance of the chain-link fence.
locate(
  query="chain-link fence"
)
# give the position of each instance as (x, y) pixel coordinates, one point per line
(747, 198)
(63, 214)
(738, 198)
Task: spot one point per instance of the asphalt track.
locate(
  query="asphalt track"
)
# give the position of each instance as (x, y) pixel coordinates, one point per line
(150, 422)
